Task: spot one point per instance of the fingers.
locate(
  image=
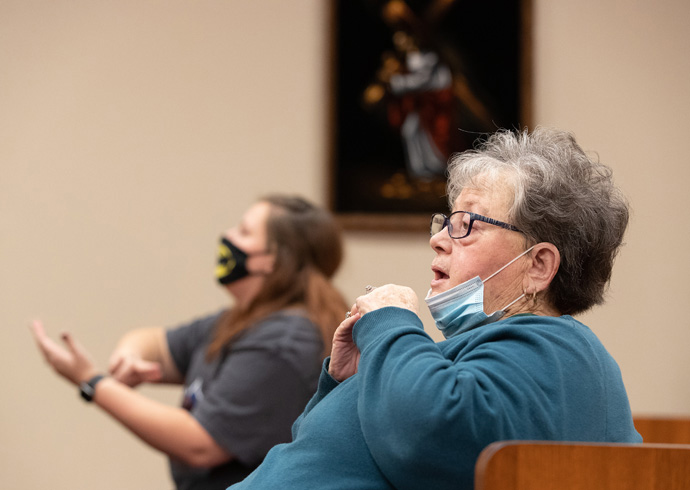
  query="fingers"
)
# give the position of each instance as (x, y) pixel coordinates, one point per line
(388, 295)
(39, 335)
(115, 364)
(352, 311)
(121, 370)
(37, 329)
(150, 371)
(133, 371)
(50, 347)
(47, 346)
(77, 351)
(72, 362)
(71, 344)
(345, 328)
(344, 352)
(143, 370)
(122, 373)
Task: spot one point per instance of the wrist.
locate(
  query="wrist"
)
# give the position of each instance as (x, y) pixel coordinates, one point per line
(87, 388)
(86, 376)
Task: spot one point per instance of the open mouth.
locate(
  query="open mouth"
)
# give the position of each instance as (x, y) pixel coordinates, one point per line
(439, 274)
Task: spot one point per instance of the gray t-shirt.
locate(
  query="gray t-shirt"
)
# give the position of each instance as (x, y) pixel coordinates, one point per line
(248, 396)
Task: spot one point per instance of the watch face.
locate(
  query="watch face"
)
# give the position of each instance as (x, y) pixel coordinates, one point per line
(86, 391)
(88, 388)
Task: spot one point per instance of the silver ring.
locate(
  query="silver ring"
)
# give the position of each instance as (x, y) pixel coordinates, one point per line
(369, 288)
(348, 315)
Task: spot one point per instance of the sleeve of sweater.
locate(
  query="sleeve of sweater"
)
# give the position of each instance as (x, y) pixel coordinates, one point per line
(408, 392)
(325, 386)
(426, 417)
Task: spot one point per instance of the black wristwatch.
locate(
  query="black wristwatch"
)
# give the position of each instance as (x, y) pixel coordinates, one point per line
(88, 388)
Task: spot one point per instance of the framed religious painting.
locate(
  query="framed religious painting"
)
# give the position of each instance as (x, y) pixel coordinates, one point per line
(414, 81)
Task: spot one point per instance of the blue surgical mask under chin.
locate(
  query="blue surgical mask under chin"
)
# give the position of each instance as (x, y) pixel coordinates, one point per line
(461, 308)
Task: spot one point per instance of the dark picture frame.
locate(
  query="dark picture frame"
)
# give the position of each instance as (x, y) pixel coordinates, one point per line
(414, 81)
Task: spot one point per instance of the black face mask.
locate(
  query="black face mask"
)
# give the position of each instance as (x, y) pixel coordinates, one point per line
(232, 262)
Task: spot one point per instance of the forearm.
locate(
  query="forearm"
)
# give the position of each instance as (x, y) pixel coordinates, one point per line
(144, 342)
(402, 371)
(171, 430)
(404, 381)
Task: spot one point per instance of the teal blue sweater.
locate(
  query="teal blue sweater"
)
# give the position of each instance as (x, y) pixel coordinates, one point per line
(417, 413)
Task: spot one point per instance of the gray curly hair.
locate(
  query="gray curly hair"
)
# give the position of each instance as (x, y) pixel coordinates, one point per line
(561, 196)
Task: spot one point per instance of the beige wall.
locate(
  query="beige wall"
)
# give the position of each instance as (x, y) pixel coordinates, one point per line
(132, 132)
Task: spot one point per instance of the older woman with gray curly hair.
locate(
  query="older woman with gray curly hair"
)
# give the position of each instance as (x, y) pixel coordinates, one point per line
(534, 230)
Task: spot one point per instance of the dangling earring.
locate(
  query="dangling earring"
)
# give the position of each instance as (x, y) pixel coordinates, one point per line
(531, 297)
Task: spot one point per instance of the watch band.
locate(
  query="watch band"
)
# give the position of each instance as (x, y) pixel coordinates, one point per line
(88, 388)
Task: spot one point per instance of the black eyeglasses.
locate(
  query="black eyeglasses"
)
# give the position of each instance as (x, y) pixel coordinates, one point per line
(460, 223)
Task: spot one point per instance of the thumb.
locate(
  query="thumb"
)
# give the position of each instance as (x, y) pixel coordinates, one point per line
(76, 349)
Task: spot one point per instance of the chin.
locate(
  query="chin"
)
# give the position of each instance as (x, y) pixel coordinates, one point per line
(438, 288)
(235, 288)
(440, 283)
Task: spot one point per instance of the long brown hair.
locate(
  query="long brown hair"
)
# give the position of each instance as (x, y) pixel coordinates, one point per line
(308, 247)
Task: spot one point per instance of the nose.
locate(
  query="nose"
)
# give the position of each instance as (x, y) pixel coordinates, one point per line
(441, 242)
(230, 232)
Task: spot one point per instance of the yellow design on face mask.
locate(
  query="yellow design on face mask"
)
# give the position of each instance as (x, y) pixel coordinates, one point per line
(226, 261)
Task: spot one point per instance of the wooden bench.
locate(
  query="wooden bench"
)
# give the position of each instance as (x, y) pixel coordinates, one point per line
(663, 429)
(539, 465)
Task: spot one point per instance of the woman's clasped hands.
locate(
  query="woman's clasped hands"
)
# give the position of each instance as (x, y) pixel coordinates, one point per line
(344, 353)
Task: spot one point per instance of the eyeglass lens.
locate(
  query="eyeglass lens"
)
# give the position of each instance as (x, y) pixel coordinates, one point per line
(458, 224)
(438, 222)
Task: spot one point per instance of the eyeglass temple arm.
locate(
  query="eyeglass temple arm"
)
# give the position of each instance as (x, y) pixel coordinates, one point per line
(492, 221)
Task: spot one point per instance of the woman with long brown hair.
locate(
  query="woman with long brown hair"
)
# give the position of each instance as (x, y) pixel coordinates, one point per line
(248, 370)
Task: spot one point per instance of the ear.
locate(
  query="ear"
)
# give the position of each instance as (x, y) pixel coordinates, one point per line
(261, 263)
(266, 263)
(270, 266)
(545, 262)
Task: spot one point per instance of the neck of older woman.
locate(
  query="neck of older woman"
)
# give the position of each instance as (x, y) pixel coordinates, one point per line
(534, 304)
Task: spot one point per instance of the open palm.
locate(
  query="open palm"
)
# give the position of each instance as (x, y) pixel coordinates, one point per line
(73, 362)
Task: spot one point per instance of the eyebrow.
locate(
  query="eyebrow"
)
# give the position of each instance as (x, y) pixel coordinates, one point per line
(469, 205)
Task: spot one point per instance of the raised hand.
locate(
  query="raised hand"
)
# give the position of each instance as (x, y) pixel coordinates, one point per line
(73, 362)
(344, 353)
(388, 295)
